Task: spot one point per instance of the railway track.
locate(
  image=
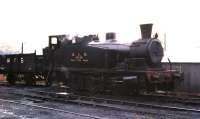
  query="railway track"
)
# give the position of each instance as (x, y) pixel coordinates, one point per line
(95, 101)
(192, 100)
(52, 109)
(173, 97)
(120, 105)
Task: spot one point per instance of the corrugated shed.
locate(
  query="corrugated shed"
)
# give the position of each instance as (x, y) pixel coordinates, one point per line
(191, 82)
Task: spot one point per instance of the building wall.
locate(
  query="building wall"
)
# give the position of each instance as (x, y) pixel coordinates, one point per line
(191, 82)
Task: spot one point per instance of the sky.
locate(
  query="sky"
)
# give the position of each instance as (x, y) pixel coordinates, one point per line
(32, 21)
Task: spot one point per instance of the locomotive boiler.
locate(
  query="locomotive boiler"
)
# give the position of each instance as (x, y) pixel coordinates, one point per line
(106, 55)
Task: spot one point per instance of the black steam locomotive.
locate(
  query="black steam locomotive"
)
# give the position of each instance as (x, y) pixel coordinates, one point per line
(83, 64)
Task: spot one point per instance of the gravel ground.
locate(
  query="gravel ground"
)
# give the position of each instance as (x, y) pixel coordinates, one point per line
(16, 111)
(13, 111)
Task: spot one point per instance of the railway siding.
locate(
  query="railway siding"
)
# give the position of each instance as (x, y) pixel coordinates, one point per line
(142, 108)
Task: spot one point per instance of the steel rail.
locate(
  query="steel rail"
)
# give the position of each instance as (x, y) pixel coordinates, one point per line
(53, 109)
(94, 101)
(121, 102)
(117, 107)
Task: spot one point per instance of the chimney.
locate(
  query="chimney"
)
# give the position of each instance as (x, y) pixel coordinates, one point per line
(146, 30)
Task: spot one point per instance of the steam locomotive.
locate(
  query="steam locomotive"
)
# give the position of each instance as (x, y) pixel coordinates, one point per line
(84, 64)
